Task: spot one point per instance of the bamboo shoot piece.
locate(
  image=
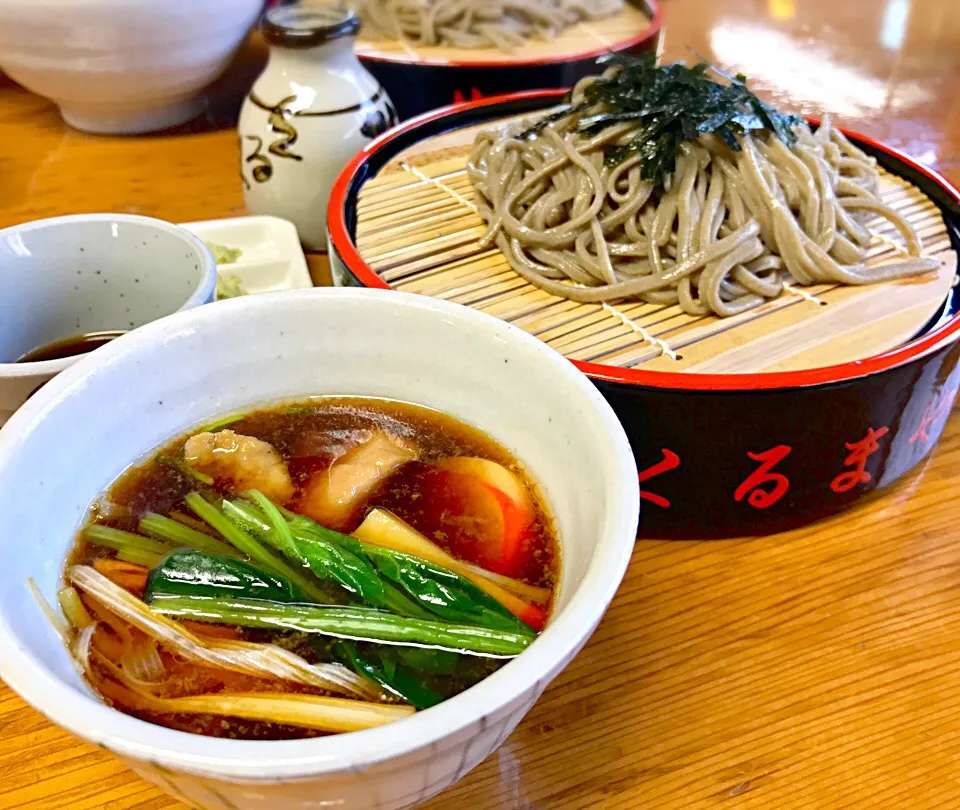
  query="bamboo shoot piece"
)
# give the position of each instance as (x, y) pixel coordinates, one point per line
(306, 711)
(382, 528)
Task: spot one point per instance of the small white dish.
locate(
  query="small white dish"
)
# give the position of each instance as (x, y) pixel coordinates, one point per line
(72, 440)
(68, 276)
(271, 258)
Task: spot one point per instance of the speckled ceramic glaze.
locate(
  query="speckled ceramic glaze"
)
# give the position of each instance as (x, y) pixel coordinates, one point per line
(313, 109)
(122, 66)
(159, 381)
(69, 276)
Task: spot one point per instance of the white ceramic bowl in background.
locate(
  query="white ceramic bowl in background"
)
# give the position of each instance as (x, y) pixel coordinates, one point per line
(71, 440)
(122, 66)
(69, 276)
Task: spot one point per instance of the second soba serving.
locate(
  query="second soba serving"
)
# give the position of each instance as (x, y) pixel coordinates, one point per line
(662, 184)
(504, 24)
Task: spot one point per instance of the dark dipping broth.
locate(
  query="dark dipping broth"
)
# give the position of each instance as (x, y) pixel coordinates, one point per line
(373, 468)
(70, 347)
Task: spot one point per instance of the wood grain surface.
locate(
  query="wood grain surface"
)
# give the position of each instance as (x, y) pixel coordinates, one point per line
(815, 669)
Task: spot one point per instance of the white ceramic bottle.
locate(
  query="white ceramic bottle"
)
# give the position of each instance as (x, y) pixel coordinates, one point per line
(311, 111)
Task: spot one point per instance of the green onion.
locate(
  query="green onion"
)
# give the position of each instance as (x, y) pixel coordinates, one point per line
(246, 517)
(130, 547)
(284, 537)
(164, 528)
(246, 544)
(361, 624)
(221, 423)
(191, 522)
(134, 555)
(326, 560)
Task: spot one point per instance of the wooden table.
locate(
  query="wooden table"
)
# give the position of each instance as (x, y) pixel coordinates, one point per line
(816, 669)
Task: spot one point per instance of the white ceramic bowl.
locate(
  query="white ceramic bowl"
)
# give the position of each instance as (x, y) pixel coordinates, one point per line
(122, 66)
(68, 276)
(81, 431)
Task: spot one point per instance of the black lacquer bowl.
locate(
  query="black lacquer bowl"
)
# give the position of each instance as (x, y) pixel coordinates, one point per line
(418, 84)
(739, 454)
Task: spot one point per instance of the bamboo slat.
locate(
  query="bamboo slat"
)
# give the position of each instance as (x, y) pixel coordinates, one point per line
(419, 229)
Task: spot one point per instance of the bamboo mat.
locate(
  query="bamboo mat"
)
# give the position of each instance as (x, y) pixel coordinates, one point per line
(608, 32)
(418, 229)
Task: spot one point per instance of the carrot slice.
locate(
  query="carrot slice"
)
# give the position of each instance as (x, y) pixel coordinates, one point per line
(130, 576)
(494, 475)
(483, 509)
(212, 630)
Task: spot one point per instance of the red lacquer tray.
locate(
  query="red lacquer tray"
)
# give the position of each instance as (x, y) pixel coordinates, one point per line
(733, 454)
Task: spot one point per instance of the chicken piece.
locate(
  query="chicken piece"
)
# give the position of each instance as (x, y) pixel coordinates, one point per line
(241, 462)
(333, 496)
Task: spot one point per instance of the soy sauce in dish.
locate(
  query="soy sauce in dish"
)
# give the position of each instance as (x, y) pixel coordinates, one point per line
(70, 347)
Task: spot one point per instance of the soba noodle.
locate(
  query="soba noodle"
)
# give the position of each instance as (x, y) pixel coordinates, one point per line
(720, 234)
(504, 24)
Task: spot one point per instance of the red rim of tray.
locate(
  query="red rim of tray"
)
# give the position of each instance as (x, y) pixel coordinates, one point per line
(342, 243)
(653, 29)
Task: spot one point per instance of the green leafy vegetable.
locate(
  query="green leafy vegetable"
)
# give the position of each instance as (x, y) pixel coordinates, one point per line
(363, 624)
(249, 545)
(382, 669)
(410, 586)
(436, 662)
(669, 104)
(443, 592)
(196, 573)
(283, 537)
(310, 530)
(329, 555)
(324, 560)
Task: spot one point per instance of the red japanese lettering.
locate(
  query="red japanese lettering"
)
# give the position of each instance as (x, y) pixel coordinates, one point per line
(669, 462)
(753, 486)
(931, 415)
(459, 97)
(859, 453)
